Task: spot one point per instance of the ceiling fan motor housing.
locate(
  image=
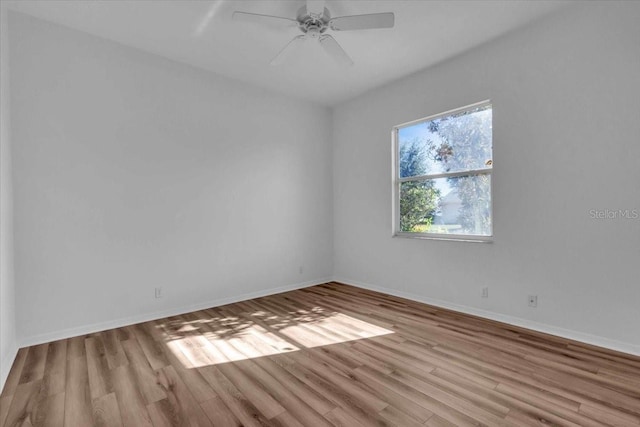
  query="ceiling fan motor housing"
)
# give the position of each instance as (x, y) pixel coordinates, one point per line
(311, 24)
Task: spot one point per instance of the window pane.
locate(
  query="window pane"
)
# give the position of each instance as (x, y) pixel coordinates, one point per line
(458, 142)
(418, 204)
(460, 205)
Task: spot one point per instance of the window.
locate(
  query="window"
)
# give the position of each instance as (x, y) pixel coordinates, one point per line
(442, 175)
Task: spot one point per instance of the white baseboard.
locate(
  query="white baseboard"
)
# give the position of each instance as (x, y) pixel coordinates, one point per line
(101, 326)
(6, 363)
(516, 321)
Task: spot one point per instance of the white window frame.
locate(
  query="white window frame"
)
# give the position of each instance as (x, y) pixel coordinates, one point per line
(397, 181)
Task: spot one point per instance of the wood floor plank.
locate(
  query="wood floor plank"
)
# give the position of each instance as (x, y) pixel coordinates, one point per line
(56, 362)
(288, 420)
(34, 406)
(623, 359)
(347, 382)
(77, 405)
(55, 383)
(459, 403)
(106, 412)
(294, 406)
(309, 395)
(180, 406)
(115, 353)
(418, 397)
(51, 411)
(340, 418)
(325, 355)
(98, 368)
(262, 400)
(397, 402)
(36, 403)
(197, 385)
(162, 415)
(33, 368)
(237, 403)
(437, 421)
(481, 399)
(607, 416)
(399, 417)
(47, 408)
(152, 349)
(132, 406)
(526, 383)
(219, 414)
(5, 403)
(146, 379)
(75, 347)
(21, 408)
(352, 405)
(628, 389)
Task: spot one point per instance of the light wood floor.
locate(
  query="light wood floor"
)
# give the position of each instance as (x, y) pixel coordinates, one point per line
(322, 356)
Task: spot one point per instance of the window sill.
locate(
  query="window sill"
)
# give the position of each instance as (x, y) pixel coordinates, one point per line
(451, 238)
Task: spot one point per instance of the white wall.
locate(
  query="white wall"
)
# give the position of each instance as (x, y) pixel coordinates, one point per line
(566, 103)
(133, 172)
(8, 345)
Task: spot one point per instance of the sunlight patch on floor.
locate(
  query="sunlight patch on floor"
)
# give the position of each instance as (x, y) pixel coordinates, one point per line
(215, 340)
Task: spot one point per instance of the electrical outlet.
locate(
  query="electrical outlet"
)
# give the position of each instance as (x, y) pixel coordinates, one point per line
(485, 292)
(533, 300)
(158, 292)
(300, 270)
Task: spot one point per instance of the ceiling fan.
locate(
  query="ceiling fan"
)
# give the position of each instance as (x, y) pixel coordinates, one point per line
(313, 20)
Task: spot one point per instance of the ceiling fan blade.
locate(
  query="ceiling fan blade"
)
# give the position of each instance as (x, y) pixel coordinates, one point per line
(334, 50)
(315, 7)
(288, 49)
(264, 19)
(362, 22)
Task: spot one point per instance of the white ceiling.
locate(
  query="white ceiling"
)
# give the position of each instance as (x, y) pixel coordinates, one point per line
(202, 33)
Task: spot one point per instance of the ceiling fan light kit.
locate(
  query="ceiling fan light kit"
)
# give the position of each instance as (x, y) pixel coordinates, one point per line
(313, 20)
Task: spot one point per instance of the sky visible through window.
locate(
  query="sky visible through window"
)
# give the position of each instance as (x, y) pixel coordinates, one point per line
(421, 131)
